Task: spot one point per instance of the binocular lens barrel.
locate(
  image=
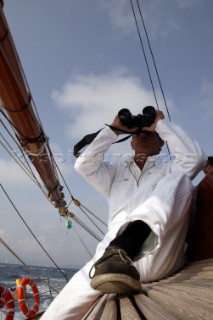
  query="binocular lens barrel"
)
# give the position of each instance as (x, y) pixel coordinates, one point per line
(145, 119)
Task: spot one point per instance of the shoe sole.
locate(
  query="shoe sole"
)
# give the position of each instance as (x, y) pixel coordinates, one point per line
(115, 283)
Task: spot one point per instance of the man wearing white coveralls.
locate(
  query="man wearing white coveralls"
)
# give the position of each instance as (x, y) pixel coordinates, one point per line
(148, 214)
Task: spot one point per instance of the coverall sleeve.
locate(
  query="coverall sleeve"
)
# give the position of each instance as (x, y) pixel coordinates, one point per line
(91, 165)
(188, 155)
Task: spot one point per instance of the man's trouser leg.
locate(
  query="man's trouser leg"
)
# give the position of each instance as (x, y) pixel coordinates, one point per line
(75, 299)
(132, 238)
(167, 212)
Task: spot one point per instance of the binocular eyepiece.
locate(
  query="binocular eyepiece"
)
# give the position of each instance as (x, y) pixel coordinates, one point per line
(145, 119)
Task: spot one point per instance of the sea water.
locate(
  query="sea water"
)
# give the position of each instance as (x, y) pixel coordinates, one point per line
(49, 281)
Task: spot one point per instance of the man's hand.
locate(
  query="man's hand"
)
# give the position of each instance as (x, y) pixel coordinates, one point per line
(117, 124)
(159, 116)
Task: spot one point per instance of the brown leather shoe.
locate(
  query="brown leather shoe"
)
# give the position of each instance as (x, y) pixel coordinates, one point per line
(114, 273)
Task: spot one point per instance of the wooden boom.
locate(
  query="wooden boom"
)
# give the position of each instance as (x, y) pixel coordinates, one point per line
(16, 100)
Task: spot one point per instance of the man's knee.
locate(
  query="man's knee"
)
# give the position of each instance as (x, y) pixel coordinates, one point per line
(177, 183)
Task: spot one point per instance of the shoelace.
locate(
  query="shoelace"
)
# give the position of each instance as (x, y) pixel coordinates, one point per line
(122, 254)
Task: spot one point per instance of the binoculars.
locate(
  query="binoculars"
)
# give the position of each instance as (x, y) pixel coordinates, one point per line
(145, 119)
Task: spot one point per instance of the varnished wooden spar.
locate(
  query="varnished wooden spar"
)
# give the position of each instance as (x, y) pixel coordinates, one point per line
(16, 101)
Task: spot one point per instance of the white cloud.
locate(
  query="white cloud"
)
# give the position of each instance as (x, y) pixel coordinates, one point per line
(94, 100)
(11, 173)
(120, 14)
(160, 16)
(157, 15)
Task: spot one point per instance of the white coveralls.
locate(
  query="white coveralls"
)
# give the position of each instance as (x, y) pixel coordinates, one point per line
(160, 196)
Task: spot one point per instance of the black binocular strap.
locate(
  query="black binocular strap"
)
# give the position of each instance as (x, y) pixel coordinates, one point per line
(90, 137)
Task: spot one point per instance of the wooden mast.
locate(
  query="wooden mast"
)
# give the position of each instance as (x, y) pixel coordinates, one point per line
(15, 98)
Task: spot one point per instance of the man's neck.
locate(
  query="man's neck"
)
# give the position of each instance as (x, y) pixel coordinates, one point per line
(140, 160)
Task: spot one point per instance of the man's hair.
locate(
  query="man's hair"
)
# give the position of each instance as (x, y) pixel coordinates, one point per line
(210, 160)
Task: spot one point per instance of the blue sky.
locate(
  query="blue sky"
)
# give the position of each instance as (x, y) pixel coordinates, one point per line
(83, 62)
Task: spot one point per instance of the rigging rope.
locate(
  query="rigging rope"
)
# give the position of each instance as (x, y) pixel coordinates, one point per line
(14, 158)
(146, 60)
(82, 224)
(23, 263)
(39, 243)
(84, 211)
(82, 242)
(35, 180)
(144, 54)
(46, 143)
(74, 200)
(82, 206)
(25, 167)
(153, 59)
(55, 166)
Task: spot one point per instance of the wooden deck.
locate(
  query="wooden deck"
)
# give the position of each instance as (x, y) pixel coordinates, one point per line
(187, 295)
